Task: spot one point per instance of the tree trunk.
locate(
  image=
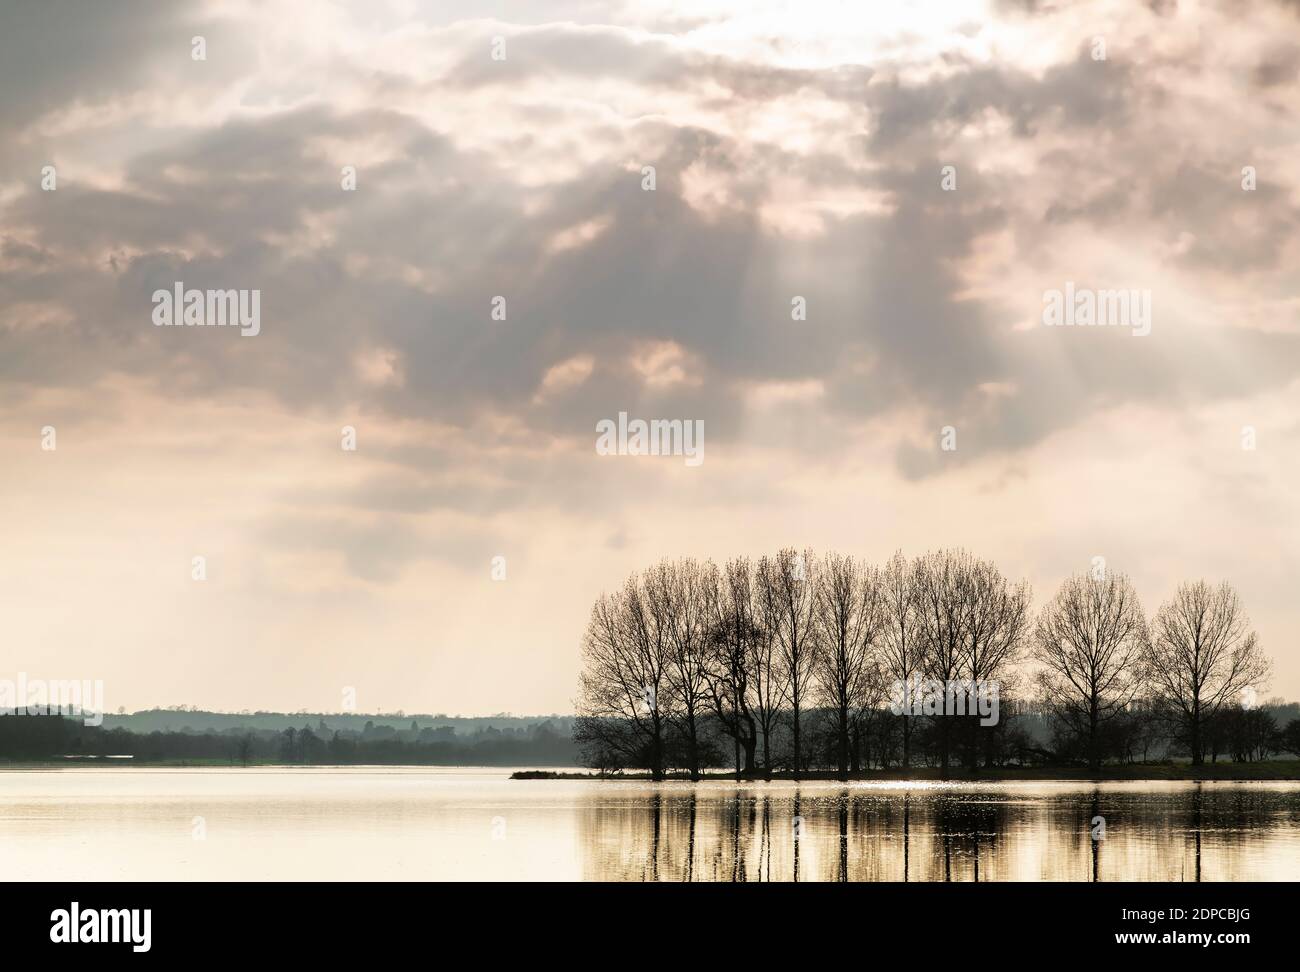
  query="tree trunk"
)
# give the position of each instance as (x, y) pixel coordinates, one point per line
(844, 742)
(657, 769)
(1198, 757)
(1094, 753)
(798, 755)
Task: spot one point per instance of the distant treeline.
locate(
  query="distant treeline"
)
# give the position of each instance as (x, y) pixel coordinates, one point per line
(190, 719)
(545, 742)
(794, 663)
(1023, 737)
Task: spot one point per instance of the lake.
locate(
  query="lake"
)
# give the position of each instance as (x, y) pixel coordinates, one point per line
(384, 823)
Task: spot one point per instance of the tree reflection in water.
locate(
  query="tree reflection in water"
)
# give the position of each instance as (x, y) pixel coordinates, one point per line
(974, 832)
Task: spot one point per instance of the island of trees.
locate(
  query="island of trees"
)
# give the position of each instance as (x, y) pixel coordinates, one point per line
(790, 665)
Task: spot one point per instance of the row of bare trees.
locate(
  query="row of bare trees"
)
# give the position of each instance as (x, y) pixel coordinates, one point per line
(1099, 658)
(748, 648)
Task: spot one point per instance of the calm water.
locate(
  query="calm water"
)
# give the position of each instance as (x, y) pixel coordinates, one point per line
(422, 824)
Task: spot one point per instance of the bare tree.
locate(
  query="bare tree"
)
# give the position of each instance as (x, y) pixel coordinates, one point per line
(622, 697)
(766, 683)
(996, 623)
(1091, 641)
(1202, 657)
(676, 595)
(791, 583)
(902, 653)
(848, 616)
(732, 633)
(939, 579)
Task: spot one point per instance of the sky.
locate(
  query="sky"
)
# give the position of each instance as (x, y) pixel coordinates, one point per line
(799, 150)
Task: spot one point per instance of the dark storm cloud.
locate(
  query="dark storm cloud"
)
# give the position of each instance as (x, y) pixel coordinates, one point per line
(57, 55)
(58, 52)
(411, 262)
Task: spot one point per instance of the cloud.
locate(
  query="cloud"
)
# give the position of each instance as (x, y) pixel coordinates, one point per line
(438, 229)
(806, 165)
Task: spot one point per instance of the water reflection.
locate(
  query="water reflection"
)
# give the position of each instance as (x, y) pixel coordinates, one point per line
(395, 823)
(988, 832)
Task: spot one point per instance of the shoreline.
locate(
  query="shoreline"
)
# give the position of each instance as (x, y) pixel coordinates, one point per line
(1277, 770)
(1269, 771)
(105, 762)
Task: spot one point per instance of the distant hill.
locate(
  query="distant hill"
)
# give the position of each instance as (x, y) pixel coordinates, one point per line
(192, 737)
(182, 719)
